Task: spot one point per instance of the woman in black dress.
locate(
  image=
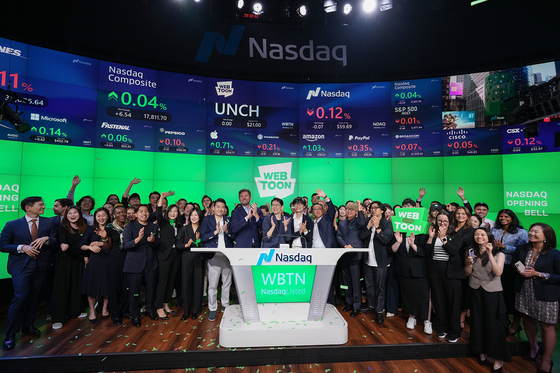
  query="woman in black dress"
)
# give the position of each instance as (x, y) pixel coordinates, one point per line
(168, 257)
(67, 285)
(192, 271)
(488, 310)
(445, 270)
(94, 282)
(463, 229)
(117, 294)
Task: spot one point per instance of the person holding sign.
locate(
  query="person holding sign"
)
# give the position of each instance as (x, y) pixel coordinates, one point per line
(445, 266)
(484, 265)
(378, 233)
(410, 266)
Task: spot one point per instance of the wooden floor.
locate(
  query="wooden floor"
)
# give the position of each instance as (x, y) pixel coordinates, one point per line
(79, 337)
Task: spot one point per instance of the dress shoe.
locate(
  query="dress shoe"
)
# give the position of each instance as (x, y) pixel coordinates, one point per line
(347, 308)
(152, 315)
(9, 343)
(194, 316)
(136, 322)
(380, 319)
(33, 331)
(127, 316)
(184, 317)
(116, 321)
(354, 313)
(367, 309)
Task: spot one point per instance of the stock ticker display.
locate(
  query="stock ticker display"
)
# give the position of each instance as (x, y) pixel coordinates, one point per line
(79, 101)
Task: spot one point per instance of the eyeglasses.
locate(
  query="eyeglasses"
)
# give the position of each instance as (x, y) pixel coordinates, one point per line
(443, 221)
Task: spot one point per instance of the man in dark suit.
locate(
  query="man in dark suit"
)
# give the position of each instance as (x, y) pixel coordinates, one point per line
(246, 221)
(323, 222)
(348, 237)
(378, 235)
(28, 242)
(59, 208)
(302, 225)
(140, 242)
(214, 233)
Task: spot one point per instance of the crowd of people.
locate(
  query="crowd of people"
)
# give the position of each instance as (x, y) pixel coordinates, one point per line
(130, 259)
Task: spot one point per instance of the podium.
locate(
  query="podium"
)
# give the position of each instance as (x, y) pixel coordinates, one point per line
(282, 297)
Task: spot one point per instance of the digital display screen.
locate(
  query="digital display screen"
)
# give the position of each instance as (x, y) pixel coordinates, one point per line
(110, 122)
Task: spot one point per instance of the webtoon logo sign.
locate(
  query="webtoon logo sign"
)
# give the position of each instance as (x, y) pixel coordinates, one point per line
(275, 180)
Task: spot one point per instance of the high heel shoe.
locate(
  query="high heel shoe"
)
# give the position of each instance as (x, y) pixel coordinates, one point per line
(532, 358)
(480, 361)
(544, 371)
(499, 370)
(516, 331)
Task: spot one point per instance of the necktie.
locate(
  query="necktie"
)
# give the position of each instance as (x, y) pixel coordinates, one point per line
(33, 229)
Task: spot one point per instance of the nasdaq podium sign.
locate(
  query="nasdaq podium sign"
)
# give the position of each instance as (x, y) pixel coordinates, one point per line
(282, 298)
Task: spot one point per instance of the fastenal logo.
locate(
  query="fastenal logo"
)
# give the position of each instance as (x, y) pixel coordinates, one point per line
(275, 180)
(215, 39)
(317, 92)
(115, 126)
(313, 137)
(224, 88)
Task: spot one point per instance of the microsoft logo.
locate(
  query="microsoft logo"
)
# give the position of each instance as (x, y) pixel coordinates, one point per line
(215, 39)
(34, 116)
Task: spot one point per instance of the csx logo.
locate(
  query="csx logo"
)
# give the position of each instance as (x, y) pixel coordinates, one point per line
(513, 130)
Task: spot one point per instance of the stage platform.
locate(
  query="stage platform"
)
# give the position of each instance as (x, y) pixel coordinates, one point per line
(81, 346)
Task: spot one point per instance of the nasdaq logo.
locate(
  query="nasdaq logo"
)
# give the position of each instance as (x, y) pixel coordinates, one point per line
(313, 93)
(265, 257)
(284, 258)
(317, 92)
(215, 39)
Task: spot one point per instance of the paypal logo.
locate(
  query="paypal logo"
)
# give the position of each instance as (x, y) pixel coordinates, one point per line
(215, 39)
(265, 257)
